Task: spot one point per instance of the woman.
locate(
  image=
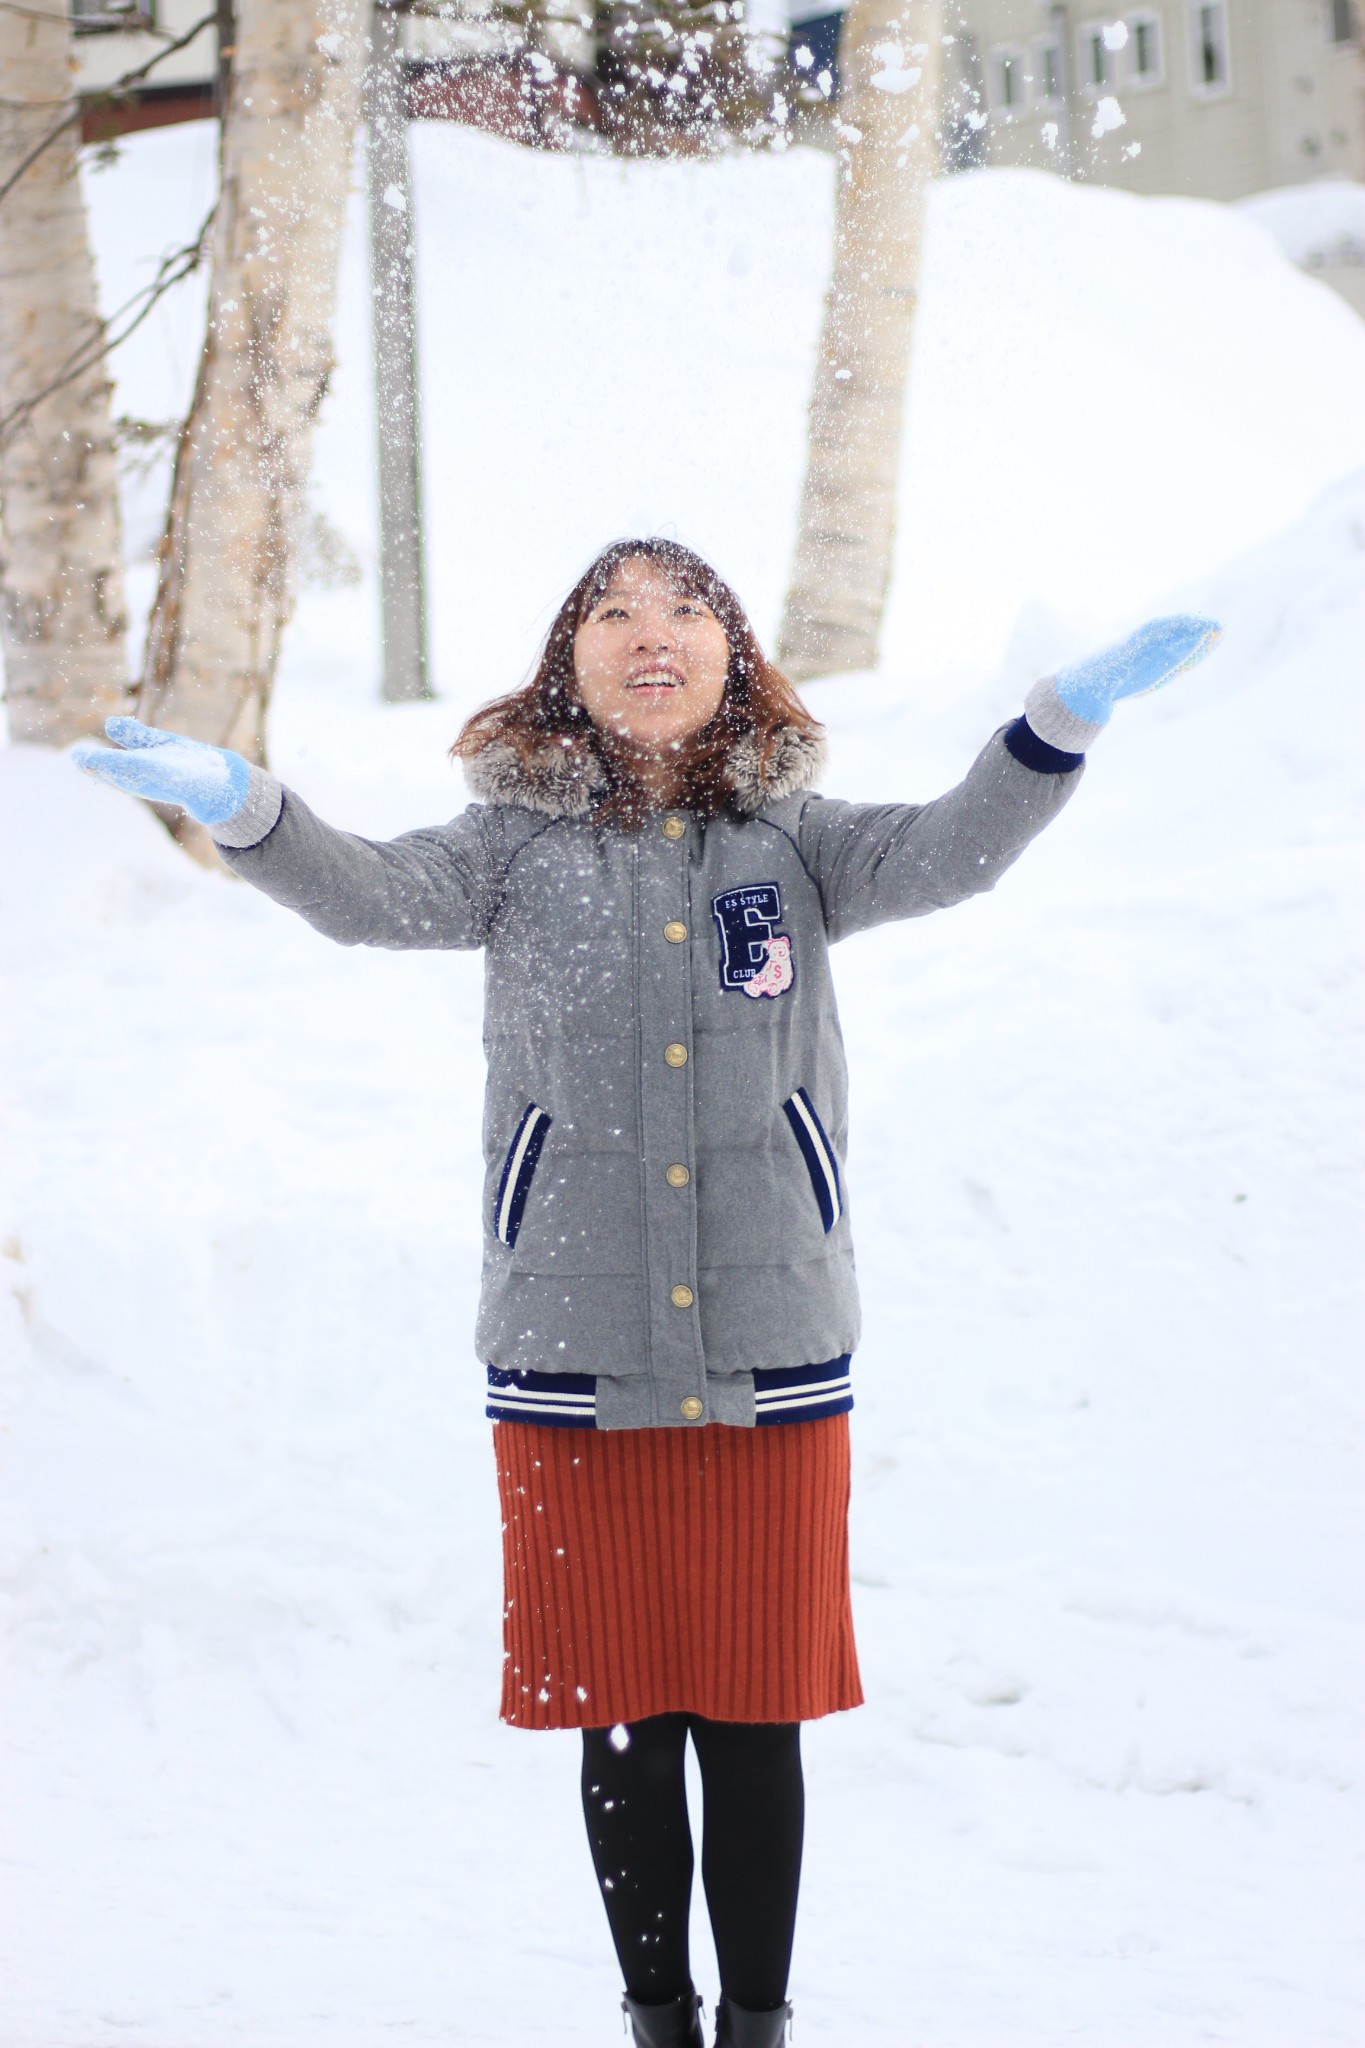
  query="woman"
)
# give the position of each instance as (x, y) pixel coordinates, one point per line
(668, 1307)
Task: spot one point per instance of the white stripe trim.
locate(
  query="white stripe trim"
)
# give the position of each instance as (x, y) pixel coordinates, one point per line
(784, 1408)
(509, 1190)
(805, 1397)
(802, 1387)
(543, 1400)
(822, 1154)
(533, 1394)
(534, 1408)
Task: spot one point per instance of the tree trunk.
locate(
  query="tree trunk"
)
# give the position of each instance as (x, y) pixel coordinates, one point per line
(241, 469)
(62, 615)
(890, 58)
(397, 391)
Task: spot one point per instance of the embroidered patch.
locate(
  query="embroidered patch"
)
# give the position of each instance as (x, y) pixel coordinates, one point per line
(754, 955)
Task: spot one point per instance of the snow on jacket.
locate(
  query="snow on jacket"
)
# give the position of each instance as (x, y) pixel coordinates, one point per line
(666, 1112)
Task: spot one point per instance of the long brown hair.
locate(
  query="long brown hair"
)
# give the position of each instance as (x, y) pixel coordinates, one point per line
(759, 704)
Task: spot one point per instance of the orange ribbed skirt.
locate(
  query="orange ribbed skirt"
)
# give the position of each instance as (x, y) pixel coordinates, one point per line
(655, 1571)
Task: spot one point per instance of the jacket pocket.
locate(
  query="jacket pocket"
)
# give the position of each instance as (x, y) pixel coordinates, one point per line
(818, 1153)
(518, 1171)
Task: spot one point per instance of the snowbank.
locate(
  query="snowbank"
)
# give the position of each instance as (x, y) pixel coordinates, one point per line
(1103, 1175)
(1111, 395)
(1316, 224)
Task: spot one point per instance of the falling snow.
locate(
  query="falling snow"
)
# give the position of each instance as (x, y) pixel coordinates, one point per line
(1106, 1447)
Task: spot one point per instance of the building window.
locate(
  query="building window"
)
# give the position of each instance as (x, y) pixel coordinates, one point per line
(1009, 82)
(1048, 89)
(90, 16)
(1210, 69)
(1341, 21)
(1096, 44)
(1144, 65)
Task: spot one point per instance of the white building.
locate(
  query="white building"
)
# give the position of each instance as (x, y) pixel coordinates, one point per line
(1215, 98)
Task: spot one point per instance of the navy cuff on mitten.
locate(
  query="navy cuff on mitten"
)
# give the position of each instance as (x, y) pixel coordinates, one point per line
(1026, 747)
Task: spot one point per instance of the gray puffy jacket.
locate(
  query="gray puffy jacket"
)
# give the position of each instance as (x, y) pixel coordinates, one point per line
(665, 1119)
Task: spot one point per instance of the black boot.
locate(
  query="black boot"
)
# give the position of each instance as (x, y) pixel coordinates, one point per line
(675, 2024)
(736, 2028)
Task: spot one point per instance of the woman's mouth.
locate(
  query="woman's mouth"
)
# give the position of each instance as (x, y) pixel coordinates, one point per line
(655, 679)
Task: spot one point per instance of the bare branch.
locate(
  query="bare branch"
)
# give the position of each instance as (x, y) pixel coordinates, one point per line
(111, 94)
(171, 271)
(53, 135)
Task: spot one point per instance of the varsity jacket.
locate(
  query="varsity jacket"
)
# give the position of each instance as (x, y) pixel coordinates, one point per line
(666, 1210)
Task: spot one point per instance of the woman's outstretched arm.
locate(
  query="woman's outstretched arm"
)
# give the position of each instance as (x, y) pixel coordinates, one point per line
(432, 888)
(876, 862)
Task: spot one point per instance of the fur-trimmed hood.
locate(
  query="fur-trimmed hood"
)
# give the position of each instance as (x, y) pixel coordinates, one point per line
(566, 777)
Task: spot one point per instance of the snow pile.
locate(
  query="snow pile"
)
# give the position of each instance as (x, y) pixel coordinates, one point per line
(1102, 1176)
(1111, 395)
(1316, 225)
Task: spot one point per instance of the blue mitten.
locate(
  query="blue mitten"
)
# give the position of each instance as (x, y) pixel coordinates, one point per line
(209, 782)
(1069, 709)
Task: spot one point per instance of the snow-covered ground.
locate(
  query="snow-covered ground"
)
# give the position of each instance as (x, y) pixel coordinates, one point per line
(1104, 1176)
(1314, 224)
(1321, 227)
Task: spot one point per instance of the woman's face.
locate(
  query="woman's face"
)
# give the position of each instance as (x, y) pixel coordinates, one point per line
(650, 662)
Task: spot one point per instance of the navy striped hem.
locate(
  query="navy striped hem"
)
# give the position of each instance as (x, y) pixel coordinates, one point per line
(803, 1393)
(568, 1400)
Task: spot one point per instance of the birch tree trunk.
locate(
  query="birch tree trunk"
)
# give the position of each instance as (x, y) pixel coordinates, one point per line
(62, 616)
(241, 471)
(397, 385)
(890, 58)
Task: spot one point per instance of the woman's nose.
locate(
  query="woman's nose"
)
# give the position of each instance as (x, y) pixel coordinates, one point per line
(653, 636)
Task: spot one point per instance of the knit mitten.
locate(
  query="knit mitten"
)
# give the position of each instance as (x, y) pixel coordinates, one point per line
(211, 783)
(1070, 709)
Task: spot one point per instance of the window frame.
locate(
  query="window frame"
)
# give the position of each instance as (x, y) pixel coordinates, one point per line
(1144, 81)
(1336, 12)
(1044, 100)
(103, 18)
(1087, 34)
(1017, 56)
(1200, 87)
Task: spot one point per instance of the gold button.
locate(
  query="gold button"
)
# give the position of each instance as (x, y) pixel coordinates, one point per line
(681, 1297)
(674, 932)
(676, 1055)
(673, 828)
(691, 1410)
(677, 1176)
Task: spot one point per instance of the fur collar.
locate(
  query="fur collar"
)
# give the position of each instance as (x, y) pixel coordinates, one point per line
(564, 781)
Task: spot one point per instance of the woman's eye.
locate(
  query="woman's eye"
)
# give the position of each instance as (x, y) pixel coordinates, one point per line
(614, 611)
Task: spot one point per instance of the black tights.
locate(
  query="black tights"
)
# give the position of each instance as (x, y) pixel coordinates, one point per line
(635, 1804)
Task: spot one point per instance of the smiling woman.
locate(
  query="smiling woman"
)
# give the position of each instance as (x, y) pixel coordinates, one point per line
(669, 1305)
(650, 660)
(651, 689)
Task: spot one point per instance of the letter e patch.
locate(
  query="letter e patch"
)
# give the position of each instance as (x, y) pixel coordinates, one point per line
(754, 955)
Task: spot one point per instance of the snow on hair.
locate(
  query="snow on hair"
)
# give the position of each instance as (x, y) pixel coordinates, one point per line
(537, 746)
